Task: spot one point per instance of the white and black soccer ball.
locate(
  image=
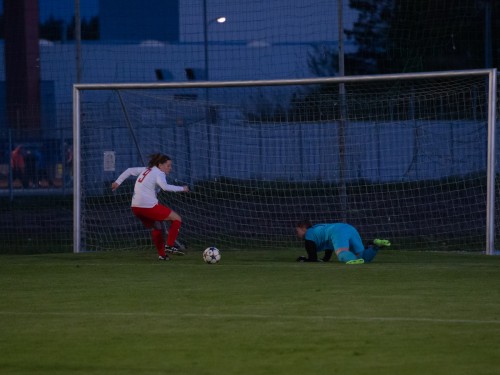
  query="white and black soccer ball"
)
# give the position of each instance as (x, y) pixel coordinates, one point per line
(211, 255)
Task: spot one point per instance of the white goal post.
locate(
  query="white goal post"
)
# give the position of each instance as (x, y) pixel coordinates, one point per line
(232, 143)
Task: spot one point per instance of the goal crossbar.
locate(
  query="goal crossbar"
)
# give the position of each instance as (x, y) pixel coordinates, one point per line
(283, 82)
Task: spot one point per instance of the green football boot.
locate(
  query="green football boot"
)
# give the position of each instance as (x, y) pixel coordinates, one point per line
(355, 261)
(381, 243)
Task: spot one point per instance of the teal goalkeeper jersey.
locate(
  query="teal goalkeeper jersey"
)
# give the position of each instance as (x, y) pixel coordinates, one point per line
(331, 236)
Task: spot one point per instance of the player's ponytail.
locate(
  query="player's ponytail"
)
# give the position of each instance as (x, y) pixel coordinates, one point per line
(157, 159)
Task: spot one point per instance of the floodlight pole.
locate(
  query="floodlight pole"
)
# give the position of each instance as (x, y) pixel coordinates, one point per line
(205, 38)
(78, 41)
(488, 56)
(207, 78)
(206, 24)
(343, 115)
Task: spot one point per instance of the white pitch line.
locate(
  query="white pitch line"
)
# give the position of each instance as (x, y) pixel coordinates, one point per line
(255, 316)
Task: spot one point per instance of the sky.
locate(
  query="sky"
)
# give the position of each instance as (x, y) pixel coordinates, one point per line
(65, 9)
(285, 20)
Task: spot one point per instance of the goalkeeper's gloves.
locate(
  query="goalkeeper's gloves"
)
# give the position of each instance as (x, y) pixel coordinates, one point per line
(305, 259)
(327, 256)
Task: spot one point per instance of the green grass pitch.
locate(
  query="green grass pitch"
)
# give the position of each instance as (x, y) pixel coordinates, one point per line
(256, 312)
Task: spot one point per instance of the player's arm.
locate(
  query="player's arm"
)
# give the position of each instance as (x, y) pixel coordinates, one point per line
(162, 182)
(126, 174)
(312, 255)
(327, 256)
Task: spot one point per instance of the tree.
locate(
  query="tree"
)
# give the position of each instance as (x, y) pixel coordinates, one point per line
(395, 36)
(52, 29)
(55, 29)
(444, 35)
(371, 35)
(89, 29)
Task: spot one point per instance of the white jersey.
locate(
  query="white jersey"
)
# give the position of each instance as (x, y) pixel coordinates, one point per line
(147, 185)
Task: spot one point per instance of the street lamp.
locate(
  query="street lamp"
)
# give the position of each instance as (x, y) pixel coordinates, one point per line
(206, 24)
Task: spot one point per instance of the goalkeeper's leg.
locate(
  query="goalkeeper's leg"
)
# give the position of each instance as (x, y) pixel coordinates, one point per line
(349, 246)
(381, 243)
(371, 251)
(348, 257)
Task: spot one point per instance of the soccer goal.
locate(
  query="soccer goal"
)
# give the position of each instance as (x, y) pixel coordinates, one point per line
(410, 157)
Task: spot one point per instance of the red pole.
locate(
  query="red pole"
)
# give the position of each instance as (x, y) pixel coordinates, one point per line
(22, 63)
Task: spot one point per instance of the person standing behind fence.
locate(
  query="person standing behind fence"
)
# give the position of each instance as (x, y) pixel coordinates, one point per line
(68, 165)
(145, 205)
(18, 165)
(30, 168)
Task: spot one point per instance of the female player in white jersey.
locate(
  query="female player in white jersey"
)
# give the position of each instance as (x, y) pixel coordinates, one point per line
(145, 203)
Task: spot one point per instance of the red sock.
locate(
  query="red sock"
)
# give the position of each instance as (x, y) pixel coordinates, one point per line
(173, 232)
(157, 236)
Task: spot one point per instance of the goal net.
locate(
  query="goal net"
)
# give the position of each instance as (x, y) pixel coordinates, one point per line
(404, 157)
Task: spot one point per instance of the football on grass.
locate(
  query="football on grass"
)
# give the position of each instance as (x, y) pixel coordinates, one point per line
(211, 255)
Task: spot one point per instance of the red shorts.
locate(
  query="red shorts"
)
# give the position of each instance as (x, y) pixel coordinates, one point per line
(149, 215)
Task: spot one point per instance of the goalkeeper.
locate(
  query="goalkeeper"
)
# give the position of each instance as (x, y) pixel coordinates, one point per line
(145, 205)
(342, 238)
